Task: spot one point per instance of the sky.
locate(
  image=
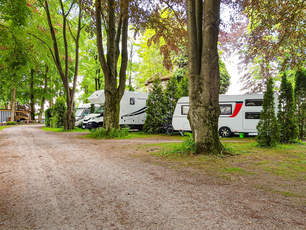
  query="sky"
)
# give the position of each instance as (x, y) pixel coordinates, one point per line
(232, 68)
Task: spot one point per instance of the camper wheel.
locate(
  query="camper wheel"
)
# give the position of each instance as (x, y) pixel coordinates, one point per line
(225, 132)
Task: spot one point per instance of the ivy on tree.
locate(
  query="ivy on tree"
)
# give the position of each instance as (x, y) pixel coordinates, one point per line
(156, 109)
(268, 130)
(286, 117)
(300, 96)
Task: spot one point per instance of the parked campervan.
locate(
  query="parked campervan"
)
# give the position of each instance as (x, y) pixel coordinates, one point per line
(81, 112)
(132, 109)
(239, 114)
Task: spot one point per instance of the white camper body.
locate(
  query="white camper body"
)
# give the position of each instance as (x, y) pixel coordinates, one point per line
(239, 114)
(81, 112)
(132, 109)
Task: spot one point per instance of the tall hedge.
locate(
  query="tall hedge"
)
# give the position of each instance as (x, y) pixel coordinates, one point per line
(58, 113)
(268, 130)
(48, 115)
(156, 109)
(171, 94)
(285, 116)
(300, 97)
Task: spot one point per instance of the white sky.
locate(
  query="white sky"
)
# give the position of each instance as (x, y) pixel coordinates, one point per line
(231, 65)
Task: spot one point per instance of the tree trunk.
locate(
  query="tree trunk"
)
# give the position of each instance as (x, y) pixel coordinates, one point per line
(13, 103)
(42, 105)
(204, 79)
(32, 103)
(113, 94)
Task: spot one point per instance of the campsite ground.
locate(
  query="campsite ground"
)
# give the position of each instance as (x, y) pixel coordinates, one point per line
(63, 181)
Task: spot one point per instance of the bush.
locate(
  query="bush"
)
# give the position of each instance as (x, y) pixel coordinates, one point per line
(11, 123)
(101, 133)
(268, 130)
(57, 119)
(48, 115)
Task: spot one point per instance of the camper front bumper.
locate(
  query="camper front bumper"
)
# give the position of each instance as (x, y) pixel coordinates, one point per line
(91, 125)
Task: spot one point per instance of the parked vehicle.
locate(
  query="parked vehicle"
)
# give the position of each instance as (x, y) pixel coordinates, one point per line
(87, 118)
(239, 114)
(132, 110)
(81, 112)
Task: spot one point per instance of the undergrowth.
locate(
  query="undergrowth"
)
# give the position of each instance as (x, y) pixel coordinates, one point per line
(101, 133)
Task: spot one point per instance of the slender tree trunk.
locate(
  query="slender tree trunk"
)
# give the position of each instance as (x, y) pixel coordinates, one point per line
(13, 103)
(32, 103)
(204, 79)
(42, 105)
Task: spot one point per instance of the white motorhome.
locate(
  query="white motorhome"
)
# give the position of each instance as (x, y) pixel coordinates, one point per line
(132, 109)
(239, 114)
(81, 112)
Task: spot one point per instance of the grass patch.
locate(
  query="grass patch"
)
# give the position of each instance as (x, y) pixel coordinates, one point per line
(2, 127)
(281, 169)
(101, 133)
(56, 130)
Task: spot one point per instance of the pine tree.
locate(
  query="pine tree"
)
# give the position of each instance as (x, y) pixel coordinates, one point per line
(268, 132)
(172, 94)
(286, 117)
(184, 87)
(156, 109)
(300, 99)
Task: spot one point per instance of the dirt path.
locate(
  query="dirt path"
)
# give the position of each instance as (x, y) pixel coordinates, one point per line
(59, 181)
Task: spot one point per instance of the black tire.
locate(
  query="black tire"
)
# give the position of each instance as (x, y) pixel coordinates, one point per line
(225, 132)
(170, 130)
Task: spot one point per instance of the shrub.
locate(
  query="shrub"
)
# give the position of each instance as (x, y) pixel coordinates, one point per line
(58, 113)
(285, 116)
(48, 115)
(101, 133)
(11, 123)
(156, 109)
(268, 131)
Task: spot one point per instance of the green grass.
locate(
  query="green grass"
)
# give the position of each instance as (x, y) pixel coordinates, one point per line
(2, 127)
(56, 130)
(280, 170)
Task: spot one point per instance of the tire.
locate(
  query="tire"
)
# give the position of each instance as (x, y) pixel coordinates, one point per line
(170, 130)
(225, 132)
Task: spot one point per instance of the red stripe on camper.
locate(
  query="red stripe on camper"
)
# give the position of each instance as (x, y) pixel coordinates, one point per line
(237, 109)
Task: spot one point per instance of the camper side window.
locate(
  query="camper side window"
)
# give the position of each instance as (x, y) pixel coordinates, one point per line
(253, 102)
(132, 101)
(252, 115)
(226, 109)
(184, 109)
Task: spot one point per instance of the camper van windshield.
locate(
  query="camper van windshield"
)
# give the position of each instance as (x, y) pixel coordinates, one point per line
(79, 112)
(99, 110)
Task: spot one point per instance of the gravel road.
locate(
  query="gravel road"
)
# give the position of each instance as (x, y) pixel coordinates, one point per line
(62, 181)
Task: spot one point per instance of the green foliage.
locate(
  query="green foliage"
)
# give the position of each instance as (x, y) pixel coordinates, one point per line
(92, 108)
(101, 133)
(48, 115)
(188, 145)
(58, 113)
(171, 94)
(156, 109)
(11, 123)
(300, 99)
(152, 60)
(15, 11)
(224, 78)
(268, 130)
(183, 87)
(286, 117)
